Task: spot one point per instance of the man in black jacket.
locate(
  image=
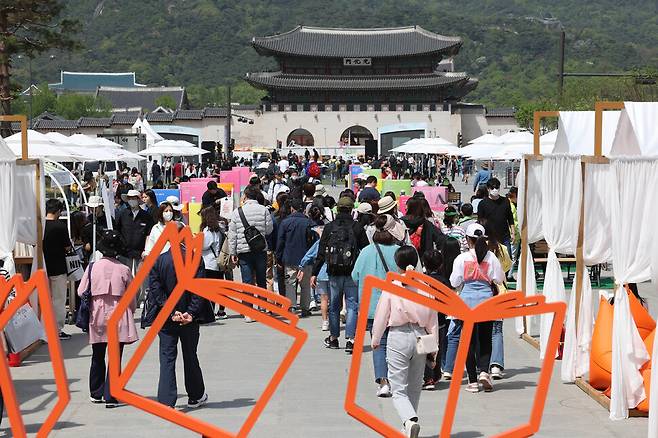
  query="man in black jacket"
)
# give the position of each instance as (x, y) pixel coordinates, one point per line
(182, 325)
(340, 244)
(134, 224)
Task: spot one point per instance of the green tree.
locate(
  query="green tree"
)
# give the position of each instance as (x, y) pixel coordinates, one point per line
(30, 27)
(74, 106)
(166, 101)
(43, 99)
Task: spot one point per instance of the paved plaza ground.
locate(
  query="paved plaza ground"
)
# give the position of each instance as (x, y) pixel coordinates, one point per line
(238, 360)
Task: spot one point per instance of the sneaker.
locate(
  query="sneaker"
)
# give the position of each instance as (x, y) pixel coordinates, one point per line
(384, 391)
(446, 376)
(64, 336)
(248, 320)
(95, 400)
(313, 307)
(473, 387)
(111, 404)
(411, 429)
(197, 403)
(331, 343)
(305, 314)
(497, 372)
(349, 346)
(325, 326)
(222, 315)
(428, 385)
(485, 380)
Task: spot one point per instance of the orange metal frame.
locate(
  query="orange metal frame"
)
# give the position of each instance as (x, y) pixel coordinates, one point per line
(444, 300)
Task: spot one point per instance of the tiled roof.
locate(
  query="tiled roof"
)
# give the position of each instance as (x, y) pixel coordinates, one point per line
(215, 112)
(501, 112)
(94, 122)
(124, 119)
(142, 97)
(86, 81)
(55, 124)
(339, 43)
(189, 115)
(365, 82)
(160, 117)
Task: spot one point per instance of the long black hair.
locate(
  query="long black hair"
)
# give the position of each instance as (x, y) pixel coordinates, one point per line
(481, 245)
(451, 249)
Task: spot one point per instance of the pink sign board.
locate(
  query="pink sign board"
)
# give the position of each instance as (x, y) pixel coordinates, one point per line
(232, 177)
(189, 190)
(436, 196)
(244, 173)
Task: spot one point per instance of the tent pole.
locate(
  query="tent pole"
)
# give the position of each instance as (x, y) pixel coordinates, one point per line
(580, 252)
(524, 237)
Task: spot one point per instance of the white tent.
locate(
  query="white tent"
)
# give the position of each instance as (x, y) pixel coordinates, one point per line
(486, 139)
(576, 132)
(610, 233)
(432, 145)
(173, 148)
(517, 137)
(144, 127)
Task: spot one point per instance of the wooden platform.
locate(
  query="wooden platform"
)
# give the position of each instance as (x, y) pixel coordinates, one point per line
(583, 384)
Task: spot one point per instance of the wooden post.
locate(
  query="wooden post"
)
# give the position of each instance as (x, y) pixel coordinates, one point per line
(599, 107)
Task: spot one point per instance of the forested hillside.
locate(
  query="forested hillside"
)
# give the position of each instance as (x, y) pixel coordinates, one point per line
(510, 45)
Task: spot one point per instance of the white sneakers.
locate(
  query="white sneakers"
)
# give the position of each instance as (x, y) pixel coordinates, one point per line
(247, 319)
(411, 429)
(485, 380)
(384, 391)
(497, 372)
(325, 326)
(473, 387)
(447, 376)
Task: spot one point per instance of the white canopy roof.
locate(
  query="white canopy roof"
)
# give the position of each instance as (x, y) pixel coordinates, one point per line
(431, 145)
(636, 132)
(173, 148)
(486, 139)
(576, 132)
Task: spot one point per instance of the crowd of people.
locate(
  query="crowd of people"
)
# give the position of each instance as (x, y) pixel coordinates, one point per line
(290, 236)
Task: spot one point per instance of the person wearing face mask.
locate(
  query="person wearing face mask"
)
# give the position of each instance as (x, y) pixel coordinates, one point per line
(277, 186)
(164, 215)
(496, 212)
(134, 224)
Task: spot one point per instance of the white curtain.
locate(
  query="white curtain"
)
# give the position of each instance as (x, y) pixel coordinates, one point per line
(26, 211)
(596, 249)
(633, 214)
(561, 186)
(7, 213)
(534, 226)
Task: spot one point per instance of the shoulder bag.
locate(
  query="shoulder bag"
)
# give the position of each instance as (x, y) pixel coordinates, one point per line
(84, 311)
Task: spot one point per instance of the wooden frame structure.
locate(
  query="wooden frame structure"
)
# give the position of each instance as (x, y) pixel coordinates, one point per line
(597, 158)
(26, 161)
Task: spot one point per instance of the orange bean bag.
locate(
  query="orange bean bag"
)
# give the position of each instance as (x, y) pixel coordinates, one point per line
(600, 360)
(648, 342)
(644, 322)
(644, 404)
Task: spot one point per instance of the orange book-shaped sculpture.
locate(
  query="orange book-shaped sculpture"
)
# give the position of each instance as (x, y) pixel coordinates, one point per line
(443, 299)
(230, 294)
(39, 283)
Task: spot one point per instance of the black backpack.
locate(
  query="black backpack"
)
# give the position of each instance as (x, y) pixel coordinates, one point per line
(255, 238)
(341, 250)
(311, 236)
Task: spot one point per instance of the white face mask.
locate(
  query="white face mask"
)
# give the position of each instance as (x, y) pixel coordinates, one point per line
(494, 192)
(168, 216)
(133, 203)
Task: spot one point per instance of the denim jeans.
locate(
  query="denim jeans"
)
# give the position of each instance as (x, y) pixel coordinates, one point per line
(252, 269)
(497, 350)
(379, 355)
(339, 286)
(454, 333)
